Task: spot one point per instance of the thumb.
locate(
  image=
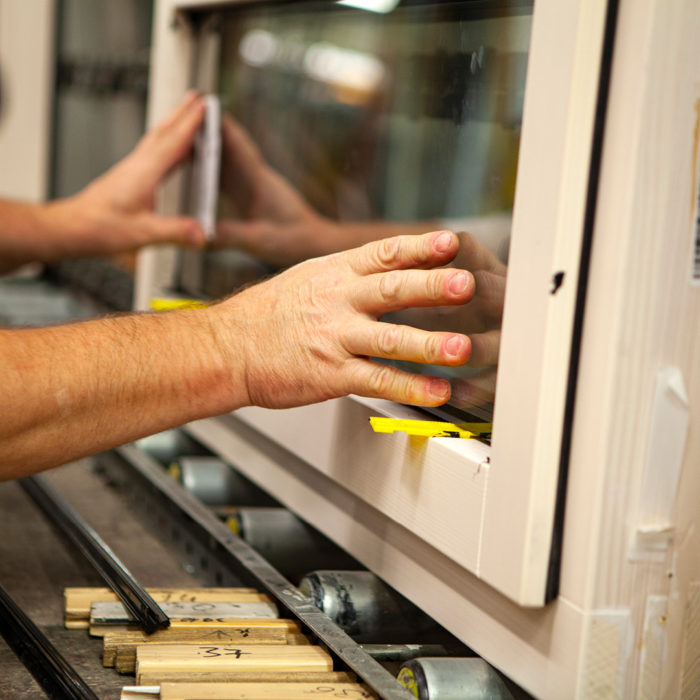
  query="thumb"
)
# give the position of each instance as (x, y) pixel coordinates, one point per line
(164, 146)
(272, 243)
(239, 148)
(257, 238)
(183, 230)
(232, 233)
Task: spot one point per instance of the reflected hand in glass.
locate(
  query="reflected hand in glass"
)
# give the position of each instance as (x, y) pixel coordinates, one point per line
(269, 218)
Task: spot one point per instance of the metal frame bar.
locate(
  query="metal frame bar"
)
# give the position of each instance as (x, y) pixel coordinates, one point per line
(50, 670)
(135, 598)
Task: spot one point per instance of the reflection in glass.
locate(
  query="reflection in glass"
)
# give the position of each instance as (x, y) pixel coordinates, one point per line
(346, 125)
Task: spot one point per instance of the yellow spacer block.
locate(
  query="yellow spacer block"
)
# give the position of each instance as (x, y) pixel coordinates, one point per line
(430, 428)
(167, 304)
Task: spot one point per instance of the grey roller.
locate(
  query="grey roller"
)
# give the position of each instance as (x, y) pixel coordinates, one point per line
(367, 609)
(214, 482)
(454, 679)
(169, 445)
(292, 546)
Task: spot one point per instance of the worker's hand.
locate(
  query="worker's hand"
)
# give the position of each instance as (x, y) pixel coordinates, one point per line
(478, 389)
(273, 221)
(307, 334)
(481, 319)
(115, 213)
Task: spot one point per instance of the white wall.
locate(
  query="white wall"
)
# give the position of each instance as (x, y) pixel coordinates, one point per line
(26, 66)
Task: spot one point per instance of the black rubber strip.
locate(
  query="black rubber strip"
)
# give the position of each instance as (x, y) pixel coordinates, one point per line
(137, 601)
(50, 670)
(552, 587)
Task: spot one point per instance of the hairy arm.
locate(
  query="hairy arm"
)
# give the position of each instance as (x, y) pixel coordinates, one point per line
(30, 232)
(301, 337)
(74, 390)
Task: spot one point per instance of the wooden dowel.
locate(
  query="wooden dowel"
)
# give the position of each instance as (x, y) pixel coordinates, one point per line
(289, 626)
(236, 659)
(140, 692)
(120, 647)
(262, 691)
(160, 677)
(77, 601)
(77, 624)
(115, 613)
(86, 590)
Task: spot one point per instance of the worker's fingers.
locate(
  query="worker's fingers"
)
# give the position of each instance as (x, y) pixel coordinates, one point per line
(367, 378)
(171, 140)
(401, 252)
(171, 229)
(475, 256)
(399, 289)
(242, 166)
(245, 235)
(485, 347)
(238, 148)
(262, 239)
(489, 296)
(189, 98)
(394, 342)
(477, 390)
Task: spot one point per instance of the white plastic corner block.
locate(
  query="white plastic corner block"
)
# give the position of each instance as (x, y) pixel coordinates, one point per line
(667, 435)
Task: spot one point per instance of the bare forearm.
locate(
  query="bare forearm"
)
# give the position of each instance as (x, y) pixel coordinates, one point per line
(75, 390)
(37, 232)
(303, 336)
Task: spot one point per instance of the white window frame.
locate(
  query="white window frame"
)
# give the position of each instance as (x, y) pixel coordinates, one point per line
(490, 510)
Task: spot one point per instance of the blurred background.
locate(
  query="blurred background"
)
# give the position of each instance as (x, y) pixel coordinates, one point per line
(74, 89)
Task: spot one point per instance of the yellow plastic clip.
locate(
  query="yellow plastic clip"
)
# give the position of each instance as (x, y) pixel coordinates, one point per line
(171, 304)
(430, 428)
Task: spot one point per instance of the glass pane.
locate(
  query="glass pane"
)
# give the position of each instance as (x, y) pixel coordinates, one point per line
(344, 124)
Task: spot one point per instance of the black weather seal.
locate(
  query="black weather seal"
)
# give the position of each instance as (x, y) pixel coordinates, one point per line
(50, 670)
(604, 80)
(137, 601)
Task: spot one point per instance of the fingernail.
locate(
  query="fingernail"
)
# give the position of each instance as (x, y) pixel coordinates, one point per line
(458, 283)
(443, 242)
(439, 388)
(453, 346)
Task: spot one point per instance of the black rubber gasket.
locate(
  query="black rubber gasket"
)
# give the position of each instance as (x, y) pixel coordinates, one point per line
(50, 670)
(135, 598)
(552, 586)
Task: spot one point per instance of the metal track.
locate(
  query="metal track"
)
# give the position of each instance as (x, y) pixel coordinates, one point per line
(50, 670)
(135, 470)
(136, 599)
